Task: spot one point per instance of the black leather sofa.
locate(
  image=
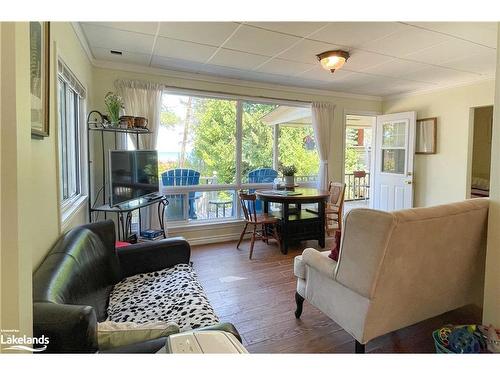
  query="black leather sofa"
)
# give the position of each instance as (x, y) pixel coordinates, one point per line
(71, 287)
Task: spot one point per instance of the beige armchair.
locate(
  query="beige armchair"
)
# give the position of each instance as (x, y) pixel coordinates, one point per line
(396, 269)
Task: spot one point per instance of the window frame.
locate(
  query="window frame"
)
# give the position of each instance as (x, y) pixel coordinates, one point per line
(185, 190)
(70, 205)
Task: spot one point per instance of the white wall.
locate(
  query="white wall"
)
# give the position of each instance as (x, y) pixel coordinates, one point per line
(491, 308)
(444, 177)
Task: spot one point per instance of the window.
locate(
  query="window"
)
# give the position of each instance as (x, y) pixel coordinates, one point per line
(209, 147)
(70, 99)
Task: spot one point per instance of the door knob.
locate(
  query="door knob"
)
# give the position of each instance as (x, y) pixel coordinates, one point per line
(409, 182)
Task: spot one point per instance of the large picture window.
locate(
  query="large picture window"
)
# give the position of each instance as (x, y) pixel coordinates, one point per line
(209, 147)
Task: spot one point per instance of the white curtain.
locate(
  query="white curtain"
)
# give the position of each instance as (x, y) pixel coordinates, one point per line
(143, 99)
(322, 121)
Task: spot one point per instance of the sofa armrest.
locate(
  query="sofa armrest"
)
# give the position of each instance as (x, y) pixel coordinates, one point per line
(149, 346)
(69, 328)
(153, 256)
(320, 261)
(153, 346)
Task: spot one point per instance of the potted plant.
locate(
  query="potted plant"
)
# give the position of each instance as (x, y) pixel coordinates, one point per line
(289, 174)
(114, 103)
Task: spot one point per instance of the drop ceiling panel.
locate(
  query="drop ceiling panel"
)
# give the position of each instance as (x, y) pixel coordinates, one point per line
(386, 57)
(126, 57)
(404, 42)
(104, 37)
(284, 67)
(396, 68)
(212, 33)
(484, 64)
(236, 59)
(306, 50)
(176, 64)
(450, 50)
(136, 27)
(479, 32)
(178, 49)
(355, 34)
(441, 76)
(362, 60)
(261, 42)
(301, 29)
(320, 74)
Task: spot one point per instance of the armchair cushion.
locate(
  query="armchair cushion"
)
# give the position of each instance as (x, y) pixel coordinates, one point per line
(153, 256)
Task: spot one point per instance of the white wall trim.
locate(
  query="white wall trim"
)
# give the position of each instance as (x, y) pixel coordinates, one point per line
(438, 89)
(83, 41)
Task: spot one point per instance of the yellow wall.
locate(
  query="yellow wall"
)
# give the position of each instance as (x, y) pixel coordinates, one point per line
(481, 151)
(16, 193)
(29, 202)
(444, 177)
(491, 308)
(44, 152)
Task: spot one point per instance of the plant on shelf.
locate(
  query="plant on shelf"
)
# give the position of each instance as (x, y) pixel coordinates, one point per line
(289, 174)
(114, 103)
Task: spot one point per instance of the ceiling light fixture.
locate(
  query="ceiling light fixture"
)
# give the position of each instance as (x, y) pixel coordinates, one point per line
(333, 60)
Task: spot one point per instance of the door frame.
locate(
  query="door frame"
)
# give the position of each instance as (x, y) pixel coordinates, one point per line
(470, 148)
(344, 125)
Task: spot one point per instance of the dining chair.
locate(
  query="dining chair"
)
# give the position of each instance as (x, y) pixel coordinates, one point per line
(334, 206)
(263, 226)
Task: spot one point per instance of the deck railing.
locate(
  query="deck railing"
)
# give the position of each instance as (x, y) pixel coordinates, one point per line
(357, 187)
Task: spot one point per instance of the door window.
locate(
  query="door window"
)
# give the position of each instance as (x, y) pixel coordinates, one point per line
(393, 147)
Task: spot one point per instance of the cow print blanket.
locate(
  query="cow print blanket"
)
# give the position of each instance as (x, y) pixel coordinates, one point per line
(171, 295)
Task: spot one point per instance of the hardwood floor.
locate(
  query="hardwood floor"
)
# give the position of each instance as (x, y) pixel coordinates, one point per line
(257, 296)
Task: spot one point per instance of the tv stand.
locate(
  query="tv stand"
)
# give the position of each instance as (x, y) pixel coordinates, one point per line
(95, 124)
(124, 213)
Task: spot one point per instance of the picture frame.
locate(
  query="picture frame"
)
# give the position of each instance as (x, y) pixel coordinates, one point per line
(39, 78)
(426, 136)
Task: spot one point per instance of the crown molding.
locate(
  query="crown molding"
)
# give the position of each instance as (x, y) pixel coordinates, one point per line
(438, 89)
(77, 28)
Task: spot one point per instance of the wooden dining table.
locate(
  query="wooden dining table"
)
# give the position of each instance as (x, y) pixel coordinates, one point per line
(296, 223)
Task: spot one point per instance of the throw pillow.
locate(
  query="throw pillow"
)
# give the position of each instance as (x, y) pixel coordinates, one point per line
(113, 334)
(334, 254)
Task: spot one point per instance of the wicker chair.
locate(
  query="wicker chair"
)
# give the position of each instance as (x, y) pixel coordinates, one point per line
(333, 210)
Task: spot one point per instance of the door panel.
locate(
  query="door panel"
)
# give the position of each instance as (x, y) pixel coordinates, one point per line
(393, 161)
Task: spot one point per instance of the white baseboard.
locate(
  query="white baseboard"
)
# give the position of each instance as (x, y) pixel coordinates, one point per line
(205, 240)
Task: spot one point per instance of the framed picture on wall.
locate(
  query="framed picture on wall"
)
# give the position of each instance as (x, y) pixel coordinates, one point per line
(39, 78)
(426, 136)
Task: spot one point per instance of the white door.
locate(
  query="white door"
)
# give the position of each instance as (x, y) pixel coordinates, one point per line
(392, 183)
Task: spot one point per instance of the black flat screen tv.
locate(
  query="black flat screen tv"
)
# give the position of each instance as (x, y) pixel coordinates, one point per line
(134, 174)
